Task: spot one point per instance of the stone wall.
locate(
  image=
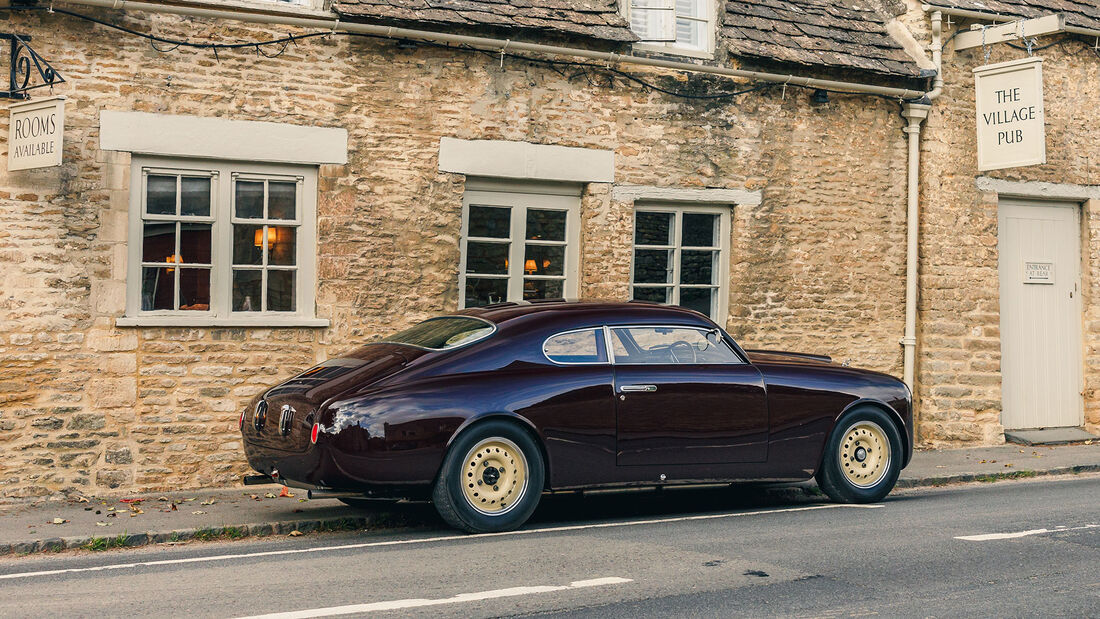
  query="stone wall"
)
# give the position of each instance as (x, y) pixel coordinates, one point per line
(960, 354)
(86, 406)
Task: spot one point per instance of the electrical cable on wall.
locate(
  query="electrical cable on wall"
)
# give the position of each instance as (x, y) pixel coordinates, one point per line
(284, 43)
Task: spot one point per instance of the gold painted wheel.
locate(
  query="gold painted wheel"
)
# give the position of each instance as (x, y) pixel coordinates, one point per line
(864, 454)
(494, 476)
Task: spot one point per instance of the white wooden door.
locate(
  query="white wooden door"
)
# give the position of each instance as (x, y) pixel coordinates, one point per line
(1040, 259)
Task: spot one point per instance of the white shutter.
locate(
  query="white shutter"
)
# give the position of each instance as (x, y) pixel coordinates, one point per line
(654, 20)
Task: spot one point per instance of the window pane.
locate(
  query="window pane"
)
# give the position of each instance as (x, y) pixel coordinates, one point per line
(443, 333)
(544, 260)
(158, 242)
(700, 230)
(489, 258)
(195, 196)
(690, 8)
(490, 222)
(195, 243)
(698, 299)
(281, 245)
(482, 291)
(249, 199)
(195, 289)
(545, 225)
(280, 291)
(691, 33)
(160, 197)
(248, 244)
(577, 347)
(246, 291)
(656, 295)
(669, 345)
(697, 267)
(157, 288)
(653, 228)
(282, 200)
(652, 266)
(652, 24)
(543, 289)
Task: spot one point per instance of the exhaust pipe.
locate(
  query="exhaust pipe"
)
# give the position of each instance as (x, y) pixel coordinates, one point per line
(324, 493)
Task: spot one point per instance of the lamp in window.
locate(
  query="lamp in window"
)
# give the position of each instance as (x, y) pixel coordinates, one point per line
(175, 259)
(272, 237)
(530, 266)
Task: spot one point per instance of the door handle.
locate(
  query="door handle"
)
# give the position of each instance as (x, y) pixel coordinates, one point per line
(638, 388)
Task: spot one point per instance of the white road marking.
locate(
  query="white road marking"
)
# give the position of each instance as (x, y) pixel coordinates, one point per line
(985, 537)
(461, 597)
(426, 540)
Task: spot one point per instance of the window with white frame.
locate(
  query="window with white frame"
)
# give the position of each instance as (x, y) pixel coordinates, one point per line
(518, 244)
(681, 257)
(215, 242)
(677, 24)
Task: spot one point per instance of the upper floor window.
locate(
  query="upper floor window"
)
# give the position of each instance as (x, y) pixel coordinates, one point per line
(212, 243)
(677, 26)
(518, 246)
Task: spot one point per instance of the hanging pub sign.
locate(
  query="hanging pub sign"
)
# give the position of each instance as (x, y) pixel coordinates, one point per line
(35, 133)
(1009, 100)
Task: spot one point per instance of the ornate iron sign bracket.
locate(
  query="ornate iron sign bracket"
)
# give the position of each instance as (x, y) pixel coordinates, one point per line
(26, 69)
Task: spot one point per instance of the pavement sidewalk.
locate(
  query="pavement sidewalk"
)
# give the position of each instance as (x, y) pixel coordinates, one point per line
(229, 513)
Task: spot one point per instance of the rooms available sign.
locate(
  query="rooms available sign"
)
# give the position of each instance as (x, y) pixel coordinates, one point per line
(35, 133)
(1009, 98)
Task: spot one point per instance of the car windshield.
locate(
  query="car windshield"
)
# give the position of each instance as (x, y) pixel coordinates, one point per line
(444, 333)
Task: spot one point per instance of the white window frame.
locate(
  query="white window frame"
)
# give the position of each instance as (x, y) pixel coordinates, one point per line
(723, 247)
(519, 197)
(224, 175)
(319, 8)
(710, 15)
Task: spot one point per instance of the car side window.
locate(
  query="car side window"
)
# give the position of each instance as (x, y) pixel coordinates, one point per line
(670, 345)
(583, 346)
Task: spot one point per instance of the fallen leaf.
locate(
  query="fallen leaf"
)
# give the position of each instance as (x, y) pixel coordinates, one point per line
(196, 513)
(271, 495)
(302, 500)
(285, 492)
(81, 499)
(254, 497)
(295, 533)
(941, 466)
(1008, 465)
(993, 462)
(162, 498)
(112, 515)
(174, 507)
(210, 502)
(130, 500)
(102, 524)
(58, 521)
(189, 500)
(982, 462)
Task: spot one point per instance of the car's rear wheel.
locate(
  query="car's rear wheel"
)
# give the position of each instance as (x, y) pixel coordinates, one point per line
(862, 458)
(491, 479)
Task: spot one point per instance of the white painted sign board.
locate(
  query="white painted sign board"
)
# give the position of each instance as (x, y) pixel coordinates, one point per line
(36, 132)
(1038, 272)
(1009, 102)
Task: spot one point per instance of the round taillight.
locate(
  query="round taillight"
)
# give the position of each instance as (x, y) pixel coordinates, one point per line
(313, 433)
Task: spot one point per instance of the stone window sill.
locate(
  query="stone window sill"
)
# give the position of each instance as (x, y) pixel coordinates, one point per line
(205, 321)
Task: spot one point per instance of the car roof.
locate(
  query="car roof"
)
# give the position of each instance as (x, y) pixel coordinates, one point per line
(587, 311)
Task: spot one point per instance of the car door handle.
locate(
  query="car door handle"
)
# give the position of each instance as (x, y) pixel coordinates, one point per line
(638, 388)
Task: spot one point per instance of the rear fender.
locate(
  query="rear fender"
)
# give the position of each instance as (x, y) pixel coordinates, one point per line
(519, 420)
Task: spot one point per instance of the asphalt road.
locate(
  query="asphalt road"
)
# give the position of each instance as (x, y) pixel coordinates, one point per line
(1029, 548)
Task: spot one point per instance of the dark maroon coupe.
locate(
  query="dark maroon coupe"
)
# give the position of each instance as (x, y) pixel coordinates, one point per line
(485, 409)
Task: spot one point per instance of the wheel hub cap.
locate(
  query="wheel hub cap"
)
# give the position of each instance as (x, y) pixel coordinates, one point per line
(865, 454)
(494, 476)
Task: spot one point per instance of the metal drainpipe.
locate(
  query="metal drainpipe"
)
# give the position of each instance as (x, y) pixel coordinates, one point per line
(915, 113)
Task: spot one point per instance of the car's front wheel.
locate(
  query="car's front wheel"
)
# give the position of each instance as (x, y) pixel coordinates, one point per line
(862, 458)
(491, 479)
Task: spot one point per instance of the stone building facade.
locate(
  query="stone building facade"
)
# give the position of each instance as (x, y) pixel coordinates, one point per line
(373, 155)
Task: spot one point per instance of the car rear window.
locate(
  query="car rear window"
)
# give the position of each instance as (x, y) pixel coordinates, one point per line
(444, 333)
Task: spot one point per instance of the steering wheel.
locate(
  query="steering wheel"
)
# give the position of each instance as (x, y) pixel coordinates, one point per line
(682, 344)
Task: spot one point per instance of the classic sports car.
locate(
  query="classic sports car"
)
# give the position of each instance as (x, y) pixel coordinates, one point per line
(484, 410)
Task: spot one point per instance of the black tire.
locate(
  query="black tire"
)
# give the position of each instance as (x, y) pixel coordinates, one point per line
(453, 501)
(841, 469)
